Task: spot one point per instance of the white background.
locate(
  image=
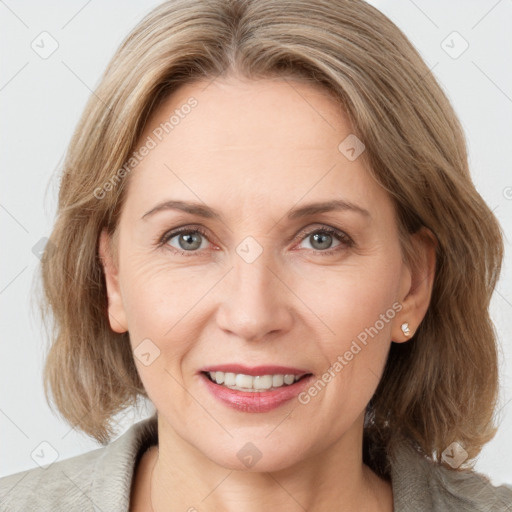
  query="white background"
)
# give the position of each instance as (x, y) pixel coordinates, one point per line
(41, 101)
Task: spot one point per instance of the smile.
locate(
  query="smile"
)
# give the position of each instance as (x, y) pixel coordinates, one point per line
(259, 389)
(258, 383)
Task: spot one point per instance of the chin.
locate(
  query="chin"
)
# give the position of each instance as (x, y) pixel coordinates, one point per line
(259, 455)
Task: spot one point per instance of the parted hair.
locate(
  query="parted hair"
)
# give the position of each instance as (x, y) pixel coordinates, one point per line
(439, 387)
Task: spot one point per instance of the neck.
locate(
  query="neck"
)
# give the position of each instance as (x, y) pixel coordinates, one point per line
(184, 479)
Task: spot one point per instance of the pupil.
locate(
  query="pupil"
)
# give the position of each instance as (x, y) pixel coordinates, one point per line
(321, 238)
(191, 241)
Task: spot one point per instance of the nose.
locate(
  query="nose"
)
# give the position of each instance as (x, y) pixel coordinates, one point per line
(255, 302)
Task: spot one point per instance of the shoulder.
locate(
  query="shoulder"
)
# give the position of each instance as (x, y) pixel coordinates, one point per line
(420, 484)
(96, 480)
(65, 483)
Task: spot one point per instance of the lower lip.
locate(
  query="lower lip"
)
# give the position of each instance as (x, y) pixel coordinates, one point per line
(255, 401)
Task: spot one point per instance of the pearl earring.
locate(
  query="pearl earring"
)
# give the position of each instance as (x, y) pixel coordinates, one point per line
(405, 329)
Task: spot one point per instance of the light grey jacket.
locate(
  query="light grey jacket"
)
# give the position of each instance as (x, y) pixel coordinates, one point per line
(100, 481)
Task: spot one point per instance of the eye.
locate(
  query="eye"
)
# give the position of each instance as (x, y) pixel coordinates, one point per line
(190, 240)
(186, 241)
(321, 239)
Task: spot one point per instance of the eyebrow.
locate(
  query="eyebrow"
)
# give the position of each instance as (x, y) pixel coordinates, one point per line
(308, 210)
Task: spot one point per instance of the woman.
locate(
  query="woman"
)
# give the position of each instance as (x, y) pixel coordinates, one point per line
(267, 226)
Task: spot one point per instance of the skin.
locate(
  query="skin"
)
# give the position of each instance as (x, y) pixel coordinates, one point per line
(253, 150)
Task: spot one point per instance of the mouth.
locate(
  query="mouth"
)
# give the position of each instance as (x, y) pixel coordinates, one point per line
(254, 383)
(257, 389)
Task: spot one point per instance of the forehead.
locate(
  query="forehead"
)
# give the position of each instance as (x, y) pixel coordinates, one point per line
(260, 142)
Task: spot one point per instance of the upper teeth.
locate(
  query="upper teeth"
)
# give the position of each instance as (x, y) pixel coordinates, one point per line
(244, 382)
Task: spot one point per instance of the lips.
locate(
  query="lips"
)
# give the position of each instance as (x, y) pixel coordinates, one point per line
(255, 370)
(254, 389)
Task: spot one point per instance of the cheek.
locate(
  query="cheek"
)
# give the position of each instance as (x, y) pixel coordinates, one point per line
(161, 323)
(156, 295)
(342, 303)
(351, 300)
(357, 306)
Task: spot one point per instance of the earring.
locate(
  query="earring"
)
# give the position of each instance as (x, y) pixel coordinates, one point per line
(405, 328)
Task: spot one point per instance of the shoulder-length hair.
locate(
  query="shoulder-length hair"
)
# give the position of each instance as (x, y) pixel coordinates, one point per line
(439, 387)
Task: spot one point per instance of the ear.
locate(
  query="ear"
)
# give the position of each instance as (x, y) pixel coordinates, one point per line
(417, 284)
(116, 312)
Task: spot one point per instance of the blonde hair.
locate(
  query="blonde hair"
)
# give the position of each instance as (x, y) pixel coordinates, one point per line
(437, 388)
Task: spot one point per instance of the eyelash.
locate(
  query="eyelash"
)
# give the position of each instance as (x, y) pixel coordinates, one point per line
(343, 238)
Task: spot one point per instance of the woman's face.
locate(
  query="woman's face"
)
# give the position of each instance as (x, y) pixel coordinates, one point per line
(259, 282)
